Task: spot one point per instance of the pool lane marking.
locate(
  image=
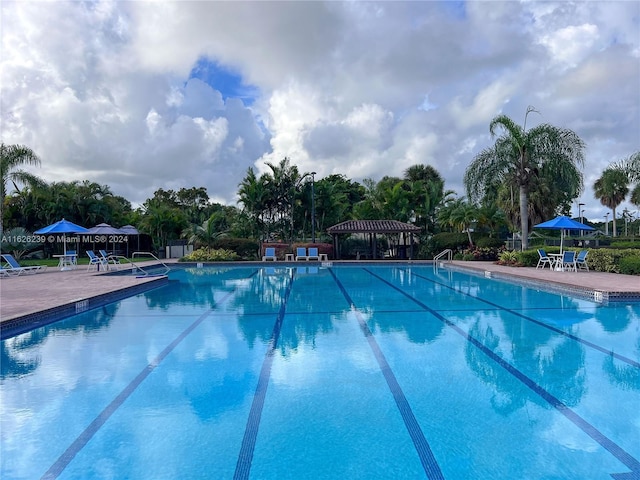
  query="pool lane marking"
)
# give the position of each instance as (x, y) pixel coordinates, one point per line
(427, 459)
(617, 451)
(622, 358)
(245, 457)
(69, 454)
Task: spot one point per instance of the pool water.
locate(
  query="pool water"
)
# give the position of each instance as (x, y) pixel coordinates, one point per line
(359, 372)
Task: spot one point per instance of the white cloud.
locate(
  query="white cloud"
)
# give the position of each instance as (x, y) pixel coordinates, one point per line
(101, 90)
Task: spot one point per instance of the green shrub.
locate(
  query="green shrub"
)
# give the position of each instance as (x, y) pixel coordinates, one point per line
(488, 242)
(468, 257)
(604, 260)
(245, 248)
(625, 244)
(630, 265)
(529, 258)
(206, 254)
(508, 257)
(454, 241)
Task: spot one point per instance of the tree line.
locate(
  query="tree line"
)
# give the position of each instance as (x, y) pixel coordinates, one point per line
(526, 177)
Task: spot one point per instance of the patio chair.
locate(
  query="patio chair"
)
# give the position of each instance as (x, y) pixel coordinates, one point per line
(269, 254)
(581, 260)
(111, 260)
(569, 261)
(95, 261)
(313, 254)
(544, 260)
(301, 253)
(13, 267)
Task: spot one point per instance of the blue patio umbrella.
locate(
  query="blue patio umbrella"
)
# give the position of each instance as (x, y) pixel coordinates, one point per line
(63, 226)
(563, 223)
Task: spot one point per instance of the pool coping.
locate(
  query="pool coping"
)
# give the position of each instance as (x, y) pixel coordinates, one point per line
(24, 323)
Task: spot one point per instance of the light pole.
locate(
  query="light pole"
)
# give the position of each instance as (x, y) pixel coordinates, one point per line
(606, 225)
(313, 207)
(580, 212)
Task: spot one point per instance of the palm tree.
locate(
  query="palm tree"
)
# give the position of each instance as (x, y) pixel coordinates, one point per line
(518, 158)
(459, 214)
(11, 157)
(611, 189)
(204, 234)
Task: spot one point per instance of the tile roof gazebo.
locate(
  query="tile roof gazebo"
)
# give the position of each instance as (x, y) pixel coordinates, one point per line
(373, 227)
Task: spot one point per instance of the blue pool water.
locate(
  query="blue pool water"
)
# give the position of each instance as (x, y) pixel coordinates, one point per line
(359, 372)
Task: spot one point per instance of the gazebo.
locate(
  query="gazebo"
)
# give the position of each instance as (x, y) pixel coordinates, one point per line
(373, 228)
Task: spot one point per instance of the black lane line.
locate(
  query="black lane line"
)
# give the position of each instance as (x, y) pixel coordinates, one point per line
(587, 343)
(427, 459)
(245, 457)
(57, 468)
(617, 451)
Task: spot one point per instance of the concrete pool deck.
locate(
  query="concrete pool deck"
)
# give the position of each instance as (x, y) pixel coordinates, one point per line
(29, 298)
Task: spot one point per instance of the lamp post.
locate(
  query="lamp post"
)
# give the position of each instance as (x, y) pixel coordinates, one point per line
(606, 225)
(580, 212)
(313, 207)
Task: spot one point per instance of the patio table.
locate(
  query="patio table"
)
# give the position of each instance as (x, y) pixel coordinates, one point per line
(557, 261)
(67, 261)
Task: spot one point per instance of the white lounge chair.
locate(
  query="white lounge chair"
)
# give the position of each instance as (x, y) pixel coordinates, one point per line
(112, 261)
(269, 254)
(581, 260)
(301, 254)
(313, 254)
(544, 260)
(13, 267)
(95, 261)
(569, 261)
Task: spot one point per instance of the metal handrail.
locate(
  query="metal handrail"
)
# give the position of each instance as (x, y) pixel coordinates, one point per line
(117, 260)
(448, 252)
(150, 255)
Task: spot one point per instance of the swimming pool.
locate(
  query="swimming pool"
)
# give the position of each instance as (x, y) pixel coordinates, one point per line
(360, 372)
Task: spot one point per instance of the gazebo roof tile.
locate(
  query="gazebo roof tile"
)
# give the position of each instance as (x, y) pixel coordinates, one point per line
(372, 226)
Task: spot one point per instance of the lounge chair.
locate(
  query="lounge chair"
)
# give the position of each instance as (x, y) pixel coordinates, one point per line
(95, 261)
(313, 254)
(269, 254)
(569, 261)
(301, 254)
(544, 260)
(111, 260)
(581, 260)
(13, 267)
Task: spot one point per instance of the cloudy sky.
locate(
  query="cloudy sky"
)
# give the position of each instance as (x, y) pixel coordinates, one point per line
(146, 95)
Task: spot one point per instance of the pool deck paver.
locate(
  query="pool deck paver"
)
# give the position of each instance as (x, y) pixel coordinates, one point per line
(28, 294)
(607, 283)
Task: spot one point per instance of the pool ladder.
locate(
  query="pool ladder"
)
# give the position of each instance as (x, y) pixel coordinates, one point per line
(147, 254)
(449, 254)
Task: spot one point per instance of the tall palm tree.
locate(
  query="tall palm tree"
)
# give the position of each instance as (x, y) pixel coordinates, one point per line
(518, 158)
(611, 189)
(12, 157)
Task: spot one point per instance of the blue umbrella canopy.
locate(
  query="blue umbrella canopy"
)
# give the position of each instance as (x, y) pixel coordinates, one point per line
(63, 226)
(563, 223)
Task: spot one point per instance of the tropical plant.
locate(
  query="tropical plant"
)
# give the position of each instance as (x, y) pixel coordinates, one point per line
(611, 189)
(204, 234)
(520, 157)
(459, 214)
(11, 158)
